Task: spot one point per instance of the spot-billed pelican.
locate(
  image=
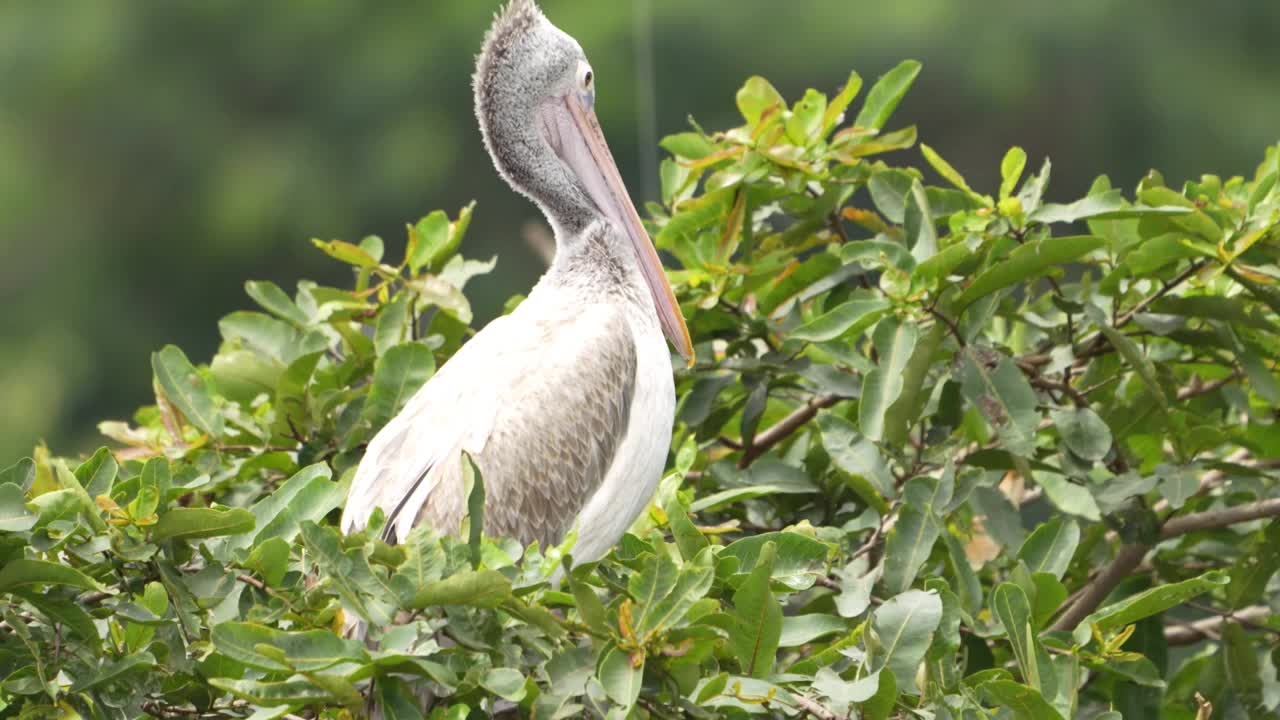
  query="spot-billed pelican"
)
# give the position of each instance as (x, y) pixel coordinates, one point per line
(566, 404)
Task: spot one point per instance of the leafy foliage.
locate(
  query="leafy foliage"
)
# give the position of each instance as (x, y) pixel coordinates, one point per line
(945, 453)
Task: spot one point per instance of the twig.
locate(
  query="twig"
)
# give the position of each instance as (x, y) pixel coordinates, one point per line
(1130, 556)
(1100, 339)
(1193, 632)
(814, 709)
(951, 326)
(1168, 287)
(1096, 591)
(1079, 399)
(785, 428)
(1214, 519)
(1198, 388)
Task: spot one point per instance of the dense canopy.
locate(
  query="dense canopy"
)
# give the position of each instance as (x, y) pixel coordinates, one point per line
(947, 451)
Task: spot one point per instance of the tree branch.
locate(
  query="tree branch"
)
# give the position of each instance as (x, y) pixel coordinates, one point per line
(785, 428)
(1130, 556)
(1213, 519)
(813, 708)
(1193, 632)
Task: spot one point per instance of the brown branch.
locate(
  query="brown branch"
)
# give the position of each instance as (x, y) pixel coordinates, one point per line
(1193, 632)
(1045, 384)
(951, 325)
(1168, 287)
(814, 709)
(1214, 519)
(1096, 591)
(785, 428)
(1198, 387)
(1131, 556)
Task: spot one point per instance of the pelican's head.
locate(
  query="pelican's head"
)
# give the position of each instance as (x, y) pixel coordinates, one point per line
(535, 100)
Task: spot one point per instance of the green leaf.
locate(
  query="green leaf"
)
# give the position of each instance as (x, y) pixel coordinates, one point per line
(1009, 603)
(1068, 496)
(1011, 167)
(393, 324)
(1051, 546)
(1005, 399)
(795, 558)
(590, 609)
(506, 683)
(904, 627)
(1148, 603)
(619, 676)
(428, 241)
(270, 559)
(187, 389)
(473, 486)
(21, 473)
(272, 650)
(98, 473)
(473, 588)
(1240, 660)
(307, 496)
(688, 145)
(270, 694)
(192, 523)
(14, 515)
(114, 670)
(1132, 354)
(755, 98)
(860, 458)
(894, 342)
(1177, 484)
(943, 168)
(940, 265)
(397, 375)
(911, 540)
(805, 123)
(688, 538)
(1231, 310)
(346, 252)
(25, 571)
(275, 341)
(884, 96)
(274, 300)
(840, 103)
(757, 619)
(1251, 573)
(1028, 262)
(1026, 702)
(849, 318)
(922, 236)
(1109, 205)
(665, 594)
(800, 630)
(1086, 434)
(880, 706)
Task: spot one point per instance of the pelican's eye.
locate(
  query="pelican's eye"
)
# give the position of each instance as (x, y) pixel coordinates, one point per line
(586, 81)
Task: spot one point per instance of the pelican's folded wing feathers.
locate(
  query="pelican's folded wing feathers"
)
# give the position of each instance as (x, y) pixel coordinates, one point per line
(541, 407)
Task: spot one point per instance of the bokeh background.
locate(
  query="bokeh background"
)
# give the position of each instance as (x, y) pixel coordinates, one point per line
(155, 155)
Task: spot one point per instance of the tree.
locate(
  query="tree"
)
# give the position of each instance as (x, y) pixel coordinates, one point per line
(943, 451)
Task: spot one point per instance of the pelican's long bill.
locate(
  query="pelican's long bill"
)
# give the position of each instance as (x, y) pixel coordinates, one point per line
(577, 138)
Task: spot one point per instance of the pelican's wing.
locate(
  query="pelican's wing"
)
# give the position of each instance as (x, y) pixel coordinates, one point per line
(541, 405)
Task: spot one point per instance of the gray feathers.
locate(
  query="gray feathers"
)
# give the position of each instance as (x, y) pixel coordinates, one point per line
(541, 408)
(521, 66)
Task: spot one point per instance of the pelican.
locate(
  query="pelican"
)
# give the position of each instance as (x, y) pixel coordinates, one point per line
(565, 405)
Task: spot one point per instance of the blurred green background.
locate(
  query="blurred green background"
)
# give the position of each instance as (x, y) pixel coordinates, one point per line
(155, 155)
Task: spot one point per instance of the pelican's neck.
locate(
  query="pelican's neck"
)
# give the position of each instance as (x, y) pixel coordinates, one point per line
(594, 263)
(513, 136)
